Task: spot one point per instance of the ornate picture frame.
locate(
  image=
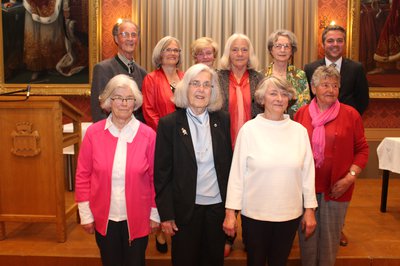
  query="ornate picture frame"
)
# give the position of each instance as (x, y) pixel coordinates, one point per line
(353, 50)
(66, 78)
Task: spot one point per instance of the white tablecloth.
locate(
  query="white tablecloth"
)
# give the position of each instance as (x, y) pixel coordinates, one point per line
(389, 154)
(69, 128)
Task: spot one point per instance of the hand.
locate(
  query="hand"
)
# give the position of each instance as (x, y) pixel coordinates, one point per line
(308, 223)
(154, 226)
(230, 223)
(89, 228)
(341, 186)
(169, 227)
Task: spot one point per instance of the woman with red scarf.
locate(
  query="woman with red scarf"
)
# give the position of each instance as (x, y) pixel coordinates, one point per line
(340, 153)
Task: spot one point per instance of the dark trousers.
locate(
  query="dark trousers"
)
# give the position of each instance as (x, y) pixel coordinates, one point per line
(268, 241)
(201, 241)
(117, 250)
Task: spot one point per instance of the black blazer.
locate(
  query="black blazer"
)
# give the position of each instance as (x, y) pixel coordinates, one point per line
(175, 167)
(354, 89)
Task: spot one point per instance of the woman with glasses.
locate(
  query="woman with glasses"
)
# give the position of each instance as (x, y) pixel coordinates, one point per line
(205, 51)
(158, 86)
(271, 179)
(282, 44)
(114, 178)
(191, 168)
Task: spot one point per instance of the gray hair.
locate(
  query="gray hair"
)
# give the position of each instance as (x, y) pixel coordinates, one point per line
(273, 38)
(323, 72)
(225, 62)
(162, 44)
(115, 29)
(279, 83)
(201, 43)
(181, 91)
(120, 81)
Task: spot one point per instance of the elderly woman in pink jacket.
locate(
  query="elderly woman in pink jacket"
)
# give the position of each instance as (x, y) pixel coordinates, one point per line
(114, 178)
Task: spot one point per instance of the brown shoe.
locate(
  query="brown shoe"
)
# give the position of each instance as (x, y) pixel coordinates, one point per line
(343, 240)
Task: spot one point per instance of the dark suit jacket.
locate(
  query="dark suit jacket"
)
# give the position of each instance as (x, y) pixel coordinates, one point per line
(354, 89)
(102, 73)
(255, 78)
(175, 166)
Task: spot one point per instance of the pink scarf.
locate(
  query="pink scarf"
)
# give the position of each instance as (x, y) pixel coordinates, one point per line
(318, 122)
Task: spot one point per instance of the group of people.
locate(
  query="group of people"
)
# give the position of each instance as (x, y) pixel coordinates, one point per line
(183, 154)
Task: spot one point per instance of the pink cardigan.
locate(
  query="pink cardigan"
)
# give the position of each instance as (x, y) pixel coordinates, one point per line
(350, 145)
(93, 177)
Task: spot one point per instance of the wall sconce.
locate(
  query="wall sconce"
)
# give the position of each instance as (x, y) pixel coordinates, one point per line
(325, 22)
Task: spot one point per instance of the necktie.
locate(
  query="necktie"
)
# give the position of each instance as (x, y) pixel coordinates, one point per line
(130, 67)
(333, 65)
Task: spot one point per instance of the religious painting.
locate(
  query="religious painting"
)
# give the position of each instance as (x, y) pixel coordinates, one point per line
(51, 45)
(375, 42)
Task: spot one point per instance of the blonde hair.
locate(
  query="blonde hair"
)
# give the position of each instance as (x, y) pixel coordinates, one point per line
(201, 43)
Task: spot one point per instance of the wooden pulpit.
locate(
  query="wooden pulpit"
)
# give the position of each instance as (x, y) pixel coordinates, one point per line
(32, 182)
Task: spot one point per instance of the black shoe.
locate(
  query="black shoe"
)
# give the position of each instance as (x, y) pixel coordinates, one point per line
(162, 248)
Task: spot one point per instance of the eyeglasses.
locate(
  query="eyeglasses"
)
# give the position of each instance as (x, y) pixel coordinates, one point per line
(172, 50)
(206, 54)
(126, 34)
(236, 50)
(120, 99)
(197, 84)
(285, 46)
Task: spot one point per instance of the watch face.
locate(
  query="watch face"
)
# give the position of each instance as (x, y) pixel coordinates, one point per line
(353, 173)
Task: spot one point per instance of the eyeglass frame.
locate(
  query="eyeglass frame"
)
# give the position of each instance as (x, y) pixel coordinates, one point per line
(286, 46)
(120, 100)
(197, 84)
(126, 34)
(172, 50)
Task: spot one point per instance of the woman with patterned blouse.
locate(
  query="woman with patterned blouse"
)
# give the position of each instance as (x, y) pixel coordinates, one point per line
(282, 44)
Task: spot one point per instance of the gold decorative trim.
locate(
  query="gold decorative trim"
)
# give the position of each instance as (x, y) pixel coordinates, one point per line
(352, 49)
(63, 89)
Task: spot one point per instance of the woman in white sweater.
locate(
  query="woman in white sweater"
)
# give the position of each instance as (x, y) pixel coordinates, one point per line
(271, 181)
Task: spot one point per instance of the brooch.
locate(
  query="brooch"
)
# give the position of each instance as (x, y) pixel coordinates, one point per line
(184, 132)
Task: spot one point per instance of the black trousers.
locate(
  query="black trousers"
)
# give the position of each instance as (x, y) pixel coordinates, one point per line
(117, 250)
(201, 241)
(268, 241)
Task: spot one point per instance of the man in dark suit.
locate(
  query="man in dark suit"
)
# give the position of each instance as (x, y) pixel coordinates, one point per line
(126, 35)
(191, 168)
(353, 84)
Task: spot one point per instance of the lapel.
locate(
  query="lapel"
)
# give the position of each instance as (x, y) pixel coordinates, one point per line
(183, 131)
(214, 129)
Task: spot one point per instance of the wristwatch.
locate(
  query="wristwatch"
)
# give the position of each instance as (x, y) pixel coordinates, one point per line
(352, 172)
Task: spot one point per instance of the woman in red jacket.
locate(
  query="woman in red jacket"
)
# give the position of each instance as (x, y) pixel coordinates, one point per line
(158, 86)
(340, 153)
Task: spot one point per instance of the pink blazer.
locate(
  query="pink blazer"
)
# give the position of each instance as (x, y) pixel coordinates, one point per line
(93, 177)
